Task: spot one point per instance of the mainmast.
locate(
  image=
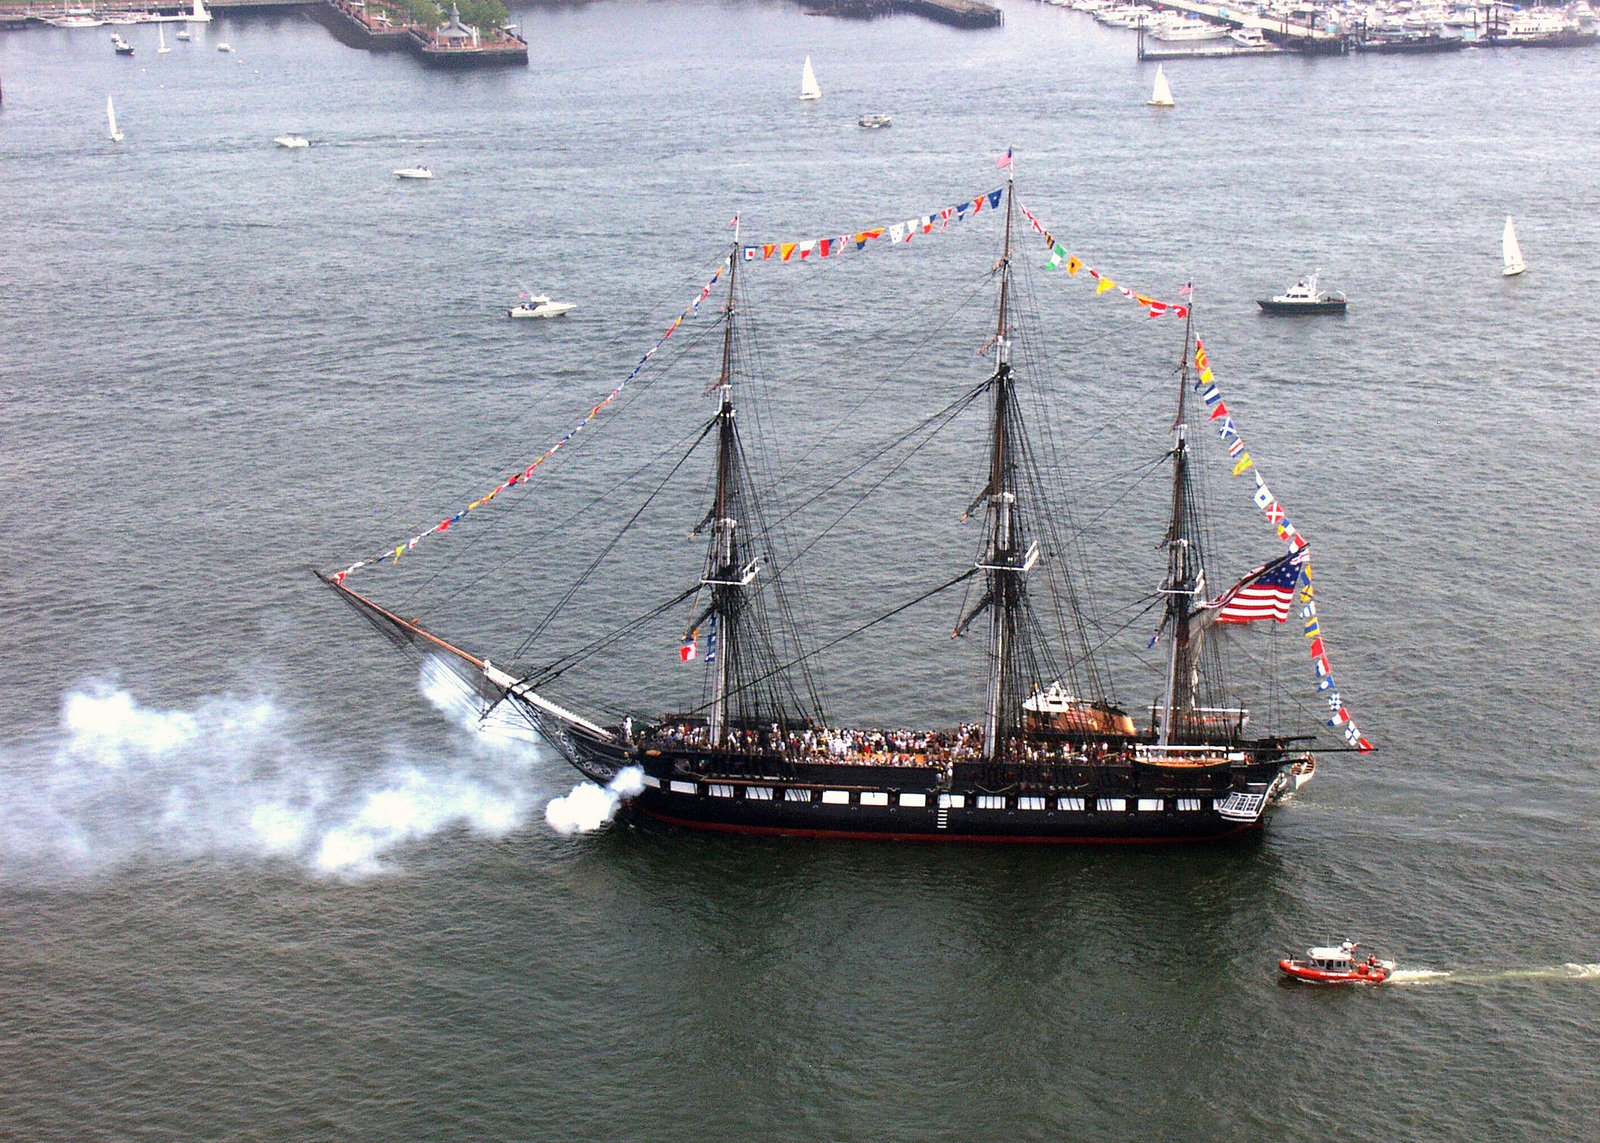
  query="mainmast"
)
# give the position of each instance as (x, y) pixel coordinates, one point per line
(1186, 580)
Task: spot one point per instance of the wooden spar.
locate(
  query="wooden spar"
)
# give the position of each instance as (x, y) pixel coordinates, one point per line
(403, 624)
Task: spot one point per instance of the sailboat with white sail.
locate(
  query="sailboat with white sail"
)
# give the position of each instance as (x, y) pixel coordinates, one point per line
(161, 41)
(1161, 96)
(111, 122)
(1511, 250)
(735, 735)
(809, 88)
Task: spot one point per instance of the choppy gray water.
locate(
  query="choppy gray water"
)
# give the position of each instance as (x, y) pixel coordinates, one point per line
(256, 883)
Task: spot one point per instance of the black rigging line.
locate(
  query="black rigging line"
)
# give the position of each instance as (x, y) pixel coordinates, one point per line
(968, 574)
(560, 666)
(644, 382)
(583, 578)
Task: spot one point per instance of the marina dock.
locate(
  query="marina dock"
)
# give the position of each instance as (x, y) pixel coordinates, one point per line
(372, 27)
(956, 13)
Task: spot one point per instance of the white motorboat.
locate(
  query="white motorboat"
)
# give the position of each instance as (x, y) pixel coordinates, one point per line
(1187, 30)
(1512, 250)
(224, 47)
(539, 306)
(183, 34)
(1252, 38)
(809, 89)
(413, 173)
(1305, 297)
(875, 119)
(293, 142)
(119, 45)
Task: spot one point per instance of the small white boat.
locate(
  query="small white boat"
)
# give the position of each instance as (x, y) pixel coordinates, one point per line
(224, 47)
(875, 119)
(293, 142)
(539, 306)
(1162, 95)
(1253, 38)
(1512, 251)
(809, 88)
(111, 122)
(119, 45)
(413, 173)
(183, 34)
(161, 41)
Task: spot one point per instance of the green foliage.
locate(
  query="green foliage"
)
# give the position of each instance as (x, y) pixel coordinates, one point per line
(482, 14)
(424, 12)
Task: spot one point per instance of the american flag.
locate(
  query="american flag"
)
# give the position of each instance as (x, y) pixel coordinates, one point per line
(1265, 593)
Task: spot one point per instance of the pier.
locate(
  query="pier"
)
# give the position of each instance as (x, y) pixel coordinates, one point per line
(956, 13)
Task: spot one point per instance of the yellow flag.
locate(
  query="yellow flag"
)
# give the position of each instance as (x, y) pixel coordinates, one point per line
(1105, 284)
(1244, 463)
(1074, 265)
(1205, 375)
(401, 548)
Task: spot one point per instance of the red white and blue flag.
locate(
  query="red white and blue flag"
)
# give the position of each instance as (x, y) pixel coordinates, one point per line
(1265, 593)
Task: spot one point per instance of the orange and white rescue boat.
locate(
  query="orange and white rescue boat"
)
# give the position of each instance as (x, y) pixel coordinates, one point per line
(1337, 965)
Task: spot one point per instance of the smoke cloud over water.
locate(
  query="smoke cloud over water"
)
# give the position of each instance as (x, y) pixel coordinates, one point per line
(588, 806)
(121, 782)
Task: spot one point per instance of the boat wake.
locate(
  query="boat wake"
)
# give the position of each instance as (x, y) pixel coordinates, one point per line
(121, 783)
(1420, 976)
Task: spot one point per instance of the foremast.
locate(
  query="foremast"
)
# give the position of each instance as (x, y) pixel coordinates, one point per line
(727, 573)
(1008, 554)
(1185, 584)
(746, 616)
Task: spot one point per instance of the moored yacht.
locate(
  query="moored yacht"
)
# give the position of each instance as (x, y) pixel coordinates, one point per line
(1305, 298)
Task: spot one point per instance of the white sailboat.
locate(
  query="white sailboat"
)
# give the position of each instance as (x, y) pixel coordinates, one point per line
(111, 121)
(808, 82)
(1162, 95)
(199, 15)
(161, 41)
(1512, 251)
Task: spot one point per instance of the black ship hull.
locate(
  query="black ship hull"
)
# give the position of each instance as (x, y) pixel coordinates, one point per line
(1084, 804)
(1275, 307)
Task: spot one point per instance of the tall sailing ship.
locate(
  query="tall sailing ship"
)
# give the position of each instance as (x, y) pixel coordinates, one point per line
(1048, 757)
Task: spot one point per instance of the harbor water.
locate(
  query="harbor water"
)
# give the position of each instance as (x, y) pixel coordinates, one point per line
(260, 879)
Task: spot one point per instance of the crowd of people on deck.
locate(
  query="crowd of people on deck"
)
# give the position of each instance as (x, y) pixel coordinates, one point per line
(869, 747)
